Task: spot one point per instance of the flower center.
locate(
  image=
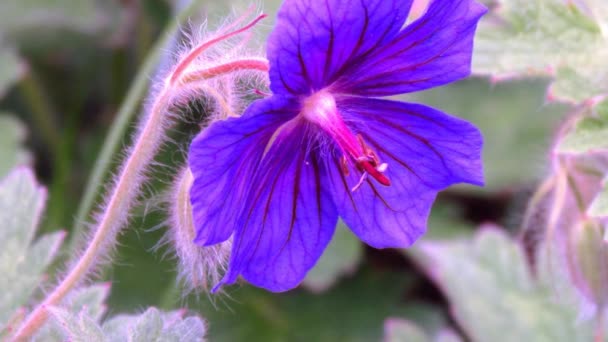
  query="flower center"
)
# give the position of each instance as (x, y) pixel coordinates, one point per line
(321, 110)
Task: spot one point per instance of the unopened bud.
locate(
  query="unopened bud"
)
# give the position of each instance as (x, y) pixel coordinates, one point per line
(198, 267)
(589, 261)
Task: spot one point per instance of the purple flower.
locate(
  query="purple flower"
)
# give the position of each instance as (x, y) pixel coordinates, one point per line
(324, 146)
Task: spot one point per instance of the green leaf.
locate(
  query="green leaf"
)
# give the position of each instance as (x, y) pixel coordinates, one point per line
(402, 330)
(340, 258)
(516, 124)
(599, 206)
(12, 134)
(544, 37)
(11, 68)
(147, 327)
(22, 262)
(599, 11)
(590, 133)
(399, 330)
(493, 294)
(91, 299)
(86, 303)
(78, 327)
(154, 325)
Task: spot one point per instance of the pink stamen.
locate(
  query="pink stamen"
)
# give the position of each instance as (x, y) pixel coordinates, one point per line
(184, 63)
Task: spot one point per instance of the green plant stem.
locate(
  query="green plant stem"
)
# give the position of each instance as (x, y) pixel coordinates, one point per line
(125, 116)
(41, 109)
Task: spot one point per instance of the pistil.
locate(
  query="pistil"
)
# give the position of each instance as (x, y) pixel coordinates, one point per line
(321, 109)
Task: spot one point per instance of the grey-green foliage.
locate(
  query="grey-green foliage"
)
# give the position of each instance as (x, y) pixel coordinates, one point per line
(86, 303)
(149, 326)
(12, 134)
(494, 296)
(11, 67)
(546, 37)
(23, 259)
(599, 206)
(590, 134)
(19, 16)
(401, 330)
(78, 320)
(341, 257)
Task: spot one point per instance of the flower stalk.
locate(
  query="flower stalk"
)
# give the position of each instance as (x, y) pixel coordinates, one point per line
(149, 137)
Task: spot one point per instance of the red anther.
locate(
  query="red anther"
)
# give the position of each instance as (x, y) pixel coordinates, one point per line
(204, 46)
(372, 171)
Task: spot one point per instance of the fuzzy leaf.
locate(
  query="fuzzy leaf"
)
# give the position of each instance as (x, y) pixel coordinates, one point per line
(151, 325)
(78, 327)
(491, 290)
(340, 258)
(11, 69)
(147, 327)
(89, 299)
(12, 134)
(599, 206)
(599, 11)
(399, 330)
(402, 330)
(544, 37)
(87, 302)
(590, 133)
(21, 262)
(154, 325)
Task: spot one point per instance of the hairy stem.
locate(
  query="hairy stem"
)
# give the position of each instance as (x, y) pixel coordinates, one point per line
(126, 189)
(121, 198)
(124, 117)
(246, 64)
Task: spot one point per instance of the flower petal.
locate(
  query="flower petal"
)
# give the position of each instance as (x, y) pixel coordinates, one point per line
(433, 50)
(223, 158)
(314, 40)
(290, 217)
(426, 151)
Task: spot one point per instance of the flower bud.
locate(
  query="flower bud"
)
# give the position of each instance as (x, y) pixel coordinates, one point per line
(588, 259)
(198, 267)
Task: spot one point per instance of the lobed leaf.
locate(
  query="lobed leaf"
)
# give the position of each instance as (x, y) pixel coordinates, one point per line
(545, 37)
(12, 134)
(154, 325)
(400, 330)
(491, 291)
(590, 133)
(599, 206)
(22, 262)
(78, 327)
